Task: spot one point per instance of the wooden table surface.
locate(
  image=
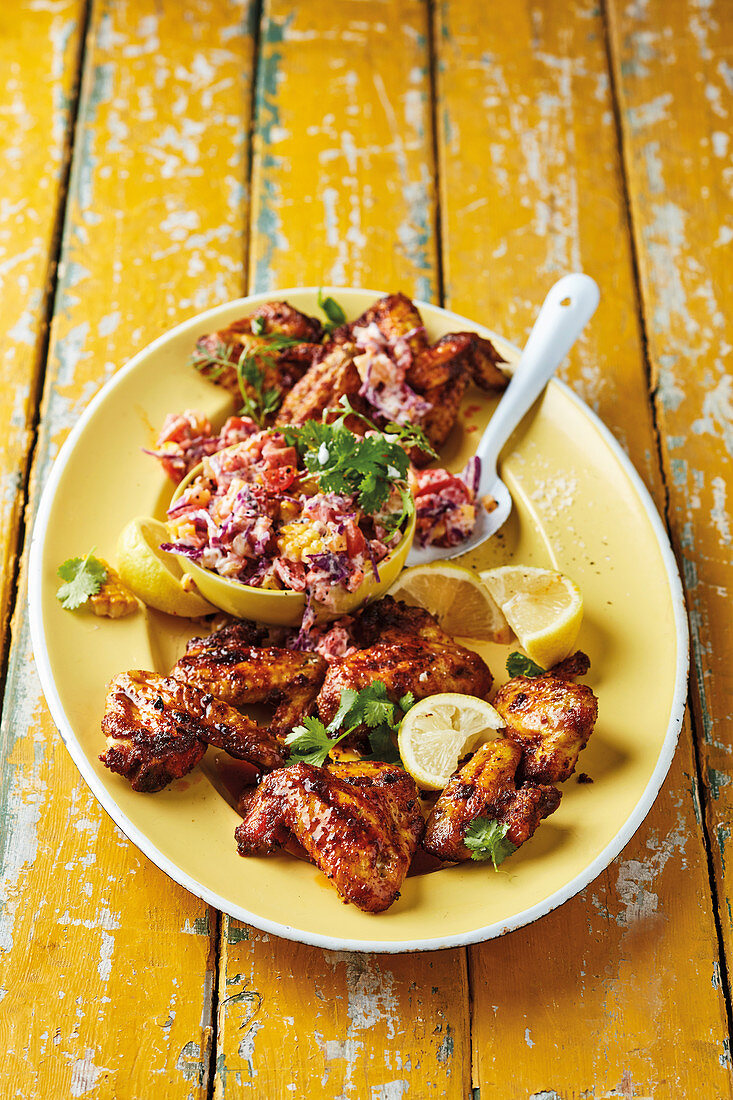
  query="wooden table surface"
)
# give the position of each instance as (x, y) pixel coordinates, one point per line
(160, 157)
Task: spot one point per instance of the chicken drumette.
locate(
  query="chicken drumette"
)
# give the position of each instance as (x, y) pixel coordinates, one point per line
(359, 823)
(285, 344)
(550, 718)
(158, 727)
(486, 787)
(412, 654)
(233, 664)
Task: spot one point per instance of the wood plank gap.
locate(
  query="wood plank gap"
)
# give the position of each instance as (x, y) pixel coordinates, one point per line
(39, 374)
(438, 215)
(216, 933)
(256, 16)
(699, 790)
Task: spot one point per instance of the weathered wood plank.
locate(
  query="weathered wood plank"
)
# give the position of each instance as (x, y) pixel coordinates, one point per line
(342, 194)
(618, 992)
(675, 81)
(106, 966)
(36, 97)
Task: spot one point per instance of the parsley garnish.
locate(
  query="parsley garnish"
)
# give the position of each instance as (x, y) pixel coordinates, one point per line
(519, 665)
(312, 742)
(333, 311)
(83, 577)
(486, 839)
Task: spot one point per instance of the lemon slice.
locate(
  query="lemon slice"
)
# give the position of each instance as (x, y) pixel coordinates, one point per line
(154, 576)
(438, 731)
(544, 609)
(456, 598)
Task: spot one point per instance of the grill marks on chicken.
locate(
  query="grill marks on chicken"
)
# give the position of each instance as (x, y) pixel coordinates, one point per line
(359, 823)
(413, 654)
(487, 787)
(551, 719)
(158, 727)
(229, 665)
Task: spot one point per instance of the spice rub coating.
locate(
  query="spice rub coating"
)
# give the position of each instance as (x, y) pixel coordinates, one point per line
(551, 719)
(157, 729)
(244, 672)
(486, 787)
(359, 823)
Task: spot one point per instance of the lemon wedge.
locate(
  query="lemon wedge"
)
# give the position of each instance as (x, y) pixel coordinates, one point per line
(154, 576)
(544, 609)
(457, 599)
(439, 731)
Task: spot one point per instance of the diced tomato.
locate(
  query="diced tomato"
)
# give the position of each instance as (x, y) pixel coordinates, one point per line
(355, 541)
(279, 478)
(436, 481)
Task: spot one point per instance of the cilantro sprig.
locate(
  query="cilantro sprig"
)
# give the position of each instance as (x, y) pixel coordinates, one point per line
(367, 467)
(333, 311)
(312, 742)
(82, 577)
(519, 665)
(486, 839)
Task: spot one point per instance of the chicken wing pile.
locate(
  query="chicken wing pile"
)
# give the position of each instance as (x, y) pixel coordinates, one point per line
(359, 821)
(382, 362)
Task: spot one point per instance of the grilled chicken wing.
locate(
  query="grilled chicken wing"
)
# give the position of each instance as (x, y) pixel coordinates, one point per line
(332, 376)
(233, 665)
(359, 823)
(413, 654)
(396, 317)
(157, 730)
(551, 719)
(282, 366)
(486, 787)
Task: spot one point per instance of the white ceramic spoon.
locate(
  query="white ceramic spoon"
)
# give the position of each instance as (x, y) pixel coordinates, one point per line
(565, 312)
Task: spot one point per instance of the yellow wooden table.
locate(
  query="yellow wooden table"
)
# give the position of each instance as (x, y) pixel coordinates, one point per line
(160, 157)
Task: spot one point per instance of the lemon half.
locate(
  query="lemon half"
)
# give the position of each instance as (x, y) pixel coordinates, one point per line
(439, 731)
(457, 599)
(154, 576)
(544, 609)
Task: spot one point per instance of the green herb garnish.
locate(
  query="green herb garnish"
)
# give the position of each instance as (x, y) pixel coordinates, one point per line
(368, 468)
(312, 742)
(519, 665)
(486, 839)
(333, 311)
(82, 577)
(257, 400)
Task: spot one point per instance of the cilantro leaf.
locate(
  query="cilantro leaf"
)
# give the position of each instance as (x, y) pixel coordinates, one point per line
(348, 698)
(82, 577)
(486, 839)
(333, 311)
(258, 326)
(519, 665)
(310, 743)
(407, 701)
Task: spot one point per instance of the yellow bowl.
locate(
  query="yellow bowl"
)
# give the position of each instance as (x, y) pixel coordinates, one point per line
(276, 608)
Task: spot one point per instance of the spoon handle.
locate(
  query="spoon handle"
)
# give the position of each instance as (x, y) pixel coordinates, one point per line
(565, 312)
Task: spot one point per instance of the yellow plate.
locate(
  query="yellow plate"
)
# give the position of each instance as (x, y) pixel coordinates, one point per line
(579, 507)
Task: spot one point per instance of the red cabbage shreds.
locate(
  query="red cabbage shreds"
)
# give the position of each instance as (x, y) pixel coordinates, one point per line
(192, 552)
(336, 567)
(471, 476)
(384, 387)
(444, 507)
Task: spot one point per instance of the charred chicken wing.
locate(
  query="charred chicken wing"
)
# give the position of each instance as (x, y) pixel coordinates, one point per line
(158, 727)
(413, 654)
(359, 823)
(486, 787)
(284, 343)
(234, 666)
(551, 718)
(332, 376)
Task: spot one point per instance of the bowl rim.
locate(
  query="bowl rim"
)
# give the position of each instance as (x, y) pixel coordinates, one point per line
(477, 935)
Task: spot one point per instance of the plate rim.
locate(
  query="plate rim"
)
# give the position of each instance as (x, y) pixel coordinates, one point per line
(198, 889)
